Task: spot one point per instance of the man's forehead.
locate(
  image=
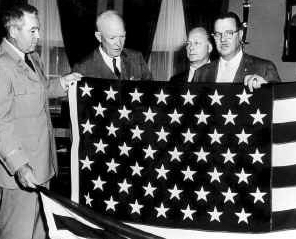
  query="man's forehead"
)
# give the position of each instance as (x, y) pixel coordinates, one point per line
(229, 22)
(197, 35)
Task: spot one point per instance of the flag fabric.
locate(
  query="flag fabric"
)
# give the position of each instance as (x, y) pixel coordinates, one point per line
(191, 157)
(68, 220)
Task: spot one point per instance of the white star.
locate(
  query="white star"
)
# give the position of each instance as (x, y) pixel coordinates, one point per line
(149, 152)
(188, 136)
(175, 192)
(202, 194)
(201, 155)
(149, 115)
(243, 216)
(98, 183)
(86, 163)
(175, 117)
(88, 200)
(110, 204)
(215, 137)
(87, 127)
(188, 174)
(244, 97)
(124, 186)
(243, 177)
(243, 137)
(136, 207)
(149, 190)
(86, 90)
(228, 156)
(202, 117)
(112, 166)
(215, 215)
(175, 154)
(161, 97)
(257, 157)
(136, 169)
(161, 211)
(188, 98)
(124, 149)
(188, 213)
(258, 117)
(99, 110)
(215, 175)
(136, 96)
(229, 118)
(229, 196)
(112, 130)
(216, 98)
(161, 172)
(124, 113)
(162, 135)
(100, 146)
(110, 93)
(137, 132)
(258, 195)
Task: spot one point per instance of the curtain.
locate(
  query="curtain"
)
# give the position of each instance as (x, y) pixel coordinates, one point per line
(51, 44)
(203, 13)
(78, 27)
(140, 17)
(168, 40)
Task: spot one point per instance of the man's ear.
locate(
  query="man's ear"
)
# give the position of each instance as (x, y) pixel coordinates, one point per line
(240, 34)
(98, 35)
(12, 32)
(210, 48)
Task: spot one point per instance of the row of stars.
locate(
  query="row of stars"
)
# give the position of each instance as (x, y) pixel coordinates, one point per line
(175, 192)
(175, 116)
(162, 210)
(161, 97)
(175, 154)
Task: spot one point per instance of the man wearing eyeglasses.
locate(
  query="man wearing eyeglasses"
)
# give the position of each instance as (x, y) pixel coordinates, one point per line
(198, 50)
(234, 65)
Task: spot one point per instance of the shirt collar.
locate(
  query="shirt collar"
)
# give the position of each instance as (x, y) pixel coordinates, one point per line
(106, 57)
(18, 52)
(234, 61)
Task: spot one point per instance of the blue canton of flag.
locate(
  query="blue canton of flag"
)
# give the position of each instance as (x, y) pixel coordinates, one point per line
(194, 156)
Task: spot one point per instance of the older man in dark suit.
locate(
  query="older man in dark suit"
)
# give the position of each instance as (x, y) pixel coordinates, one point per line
(234, 65)
(111, 60)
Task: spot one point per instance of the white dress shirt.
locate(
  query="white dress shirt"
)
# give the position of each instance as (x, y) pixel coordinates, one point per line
(228, 69)
(108, 60)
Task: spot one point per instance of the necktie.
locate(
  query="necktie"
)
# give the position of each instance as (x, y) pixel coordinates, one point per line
(28, 62)
(116, 71)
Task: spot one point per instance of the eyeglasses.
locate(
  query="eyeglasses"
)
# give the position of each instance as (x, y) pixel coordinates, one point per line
(195, 43)
(228, 34)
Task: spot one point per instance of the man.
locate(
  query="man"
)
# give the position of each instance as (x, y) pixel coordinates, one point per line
(111, 60)
(198, 50)
(234, 65)
(27, 147)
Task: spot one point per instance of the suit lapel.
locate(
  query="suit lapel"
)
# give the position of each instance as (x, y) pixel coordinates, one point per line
(212, 71)
(125, 66)
(101, 67)
(243, 69)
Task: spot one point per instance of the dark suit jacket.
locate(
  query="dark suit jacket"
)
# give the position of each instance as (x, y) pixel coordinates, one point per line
(133, 66)
(248, 65)
(180, 78)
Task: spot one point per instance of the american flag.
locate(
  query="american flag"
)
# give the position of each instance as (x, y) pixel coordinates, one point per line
(191, 156)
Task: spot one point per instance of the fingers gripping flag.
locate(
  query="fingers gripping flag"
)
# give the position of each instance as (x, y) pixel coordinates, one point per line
(192, 156)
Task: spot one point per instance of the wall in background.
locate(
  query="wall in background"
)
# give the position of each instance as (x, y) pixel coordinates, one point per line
(266, 33)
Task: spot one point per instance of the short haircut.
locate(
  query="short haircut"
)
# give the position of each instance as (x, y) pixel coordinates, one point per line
(202, 30)
(231, 15)
(101, 18)
(15, 13)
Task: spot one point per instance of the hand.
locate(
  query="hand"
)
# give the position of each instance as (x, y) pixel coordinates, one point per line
(69, 79)
(254, 81)
(26, 176)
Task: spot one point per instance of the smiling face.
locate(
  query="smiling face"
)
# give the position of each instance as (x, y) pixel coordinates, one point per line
(25, 32)
(227, 46)
(198, 47)
(111, 35)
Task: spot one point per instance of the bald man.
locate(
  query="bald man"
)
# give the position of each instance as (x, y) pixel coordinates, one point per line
(111, 60)
(198, 50)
